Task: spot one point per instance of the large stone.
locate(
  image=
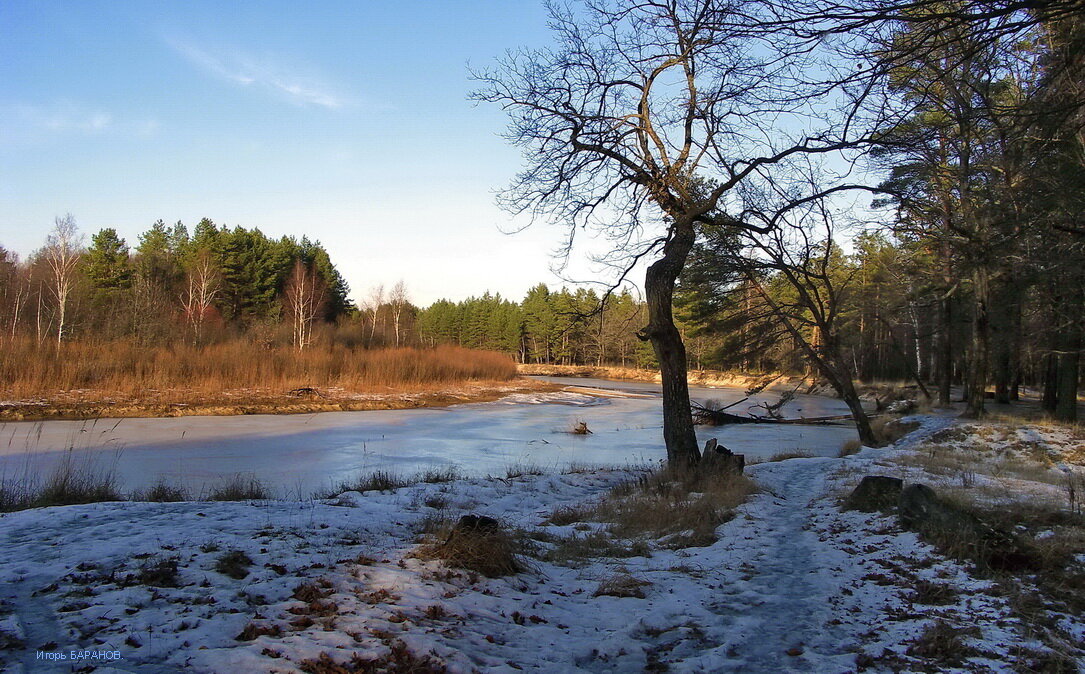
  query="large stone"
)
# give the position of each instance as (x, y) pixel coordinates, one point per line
(875, 493)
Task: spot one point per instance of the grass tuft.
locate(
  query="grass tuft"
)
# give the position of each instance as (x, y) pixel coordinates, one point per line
(490, 550)
(163, 492)
(160, 572)
(621, 585)
(233, 564)
(240, 487)
(850, 447)
(77, 479)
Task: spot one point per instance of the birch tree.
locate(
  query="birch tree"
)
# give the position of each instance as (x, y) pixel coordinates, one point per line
(63, 247)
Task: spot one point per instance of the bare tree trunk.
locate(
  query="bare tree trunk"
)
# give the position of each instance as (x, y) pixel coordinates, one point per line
(678, 432)
(1067, 379)
(1050, 399)
(945, 335)
(980, 352)
(1069, 360)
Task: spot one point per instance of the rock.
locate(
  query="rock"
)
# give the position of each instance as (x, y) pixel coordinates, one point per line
(476, 524)
(875, 493)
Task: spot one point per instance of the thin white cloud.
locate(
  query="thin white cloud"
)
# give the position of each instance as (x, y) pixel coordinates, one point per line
(62, 117)
(33, 122)
(265, 73)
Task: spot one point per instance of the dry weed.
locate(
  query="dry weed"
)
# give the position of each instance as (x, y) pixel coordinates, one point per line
(621, 585)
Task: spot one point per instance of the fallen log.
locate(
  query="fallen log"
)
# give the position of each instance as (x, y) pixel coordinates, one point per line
(718, 417)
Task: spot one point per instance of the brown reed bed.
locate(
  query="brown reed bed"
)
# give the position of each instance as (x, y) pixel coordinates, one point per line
(76, 379)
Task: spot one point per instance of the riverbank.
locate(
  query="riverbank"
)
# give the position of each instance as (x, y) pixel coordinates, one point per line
(790, 581)
(92, 404)
(695, 377)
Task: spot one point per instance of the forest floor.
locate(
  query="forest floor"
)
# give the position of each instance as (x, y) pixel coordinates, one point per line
(176, 402)
(790, 582)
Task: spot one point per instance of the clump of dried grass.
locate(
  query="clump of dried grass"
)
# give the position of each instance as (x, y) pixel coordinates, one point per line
(77, 478)
(593, 544)
(889, 429)
(784, 456)
(944, 644)
(850, 447)
(162, 491)
(239, 487)
(234, 564)
(685, 504)
(621, 585)
(490, 550)
(680, 507)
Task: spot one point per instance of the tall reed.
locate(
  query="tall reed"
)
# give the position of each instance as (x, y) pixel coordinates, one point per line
(28, 368)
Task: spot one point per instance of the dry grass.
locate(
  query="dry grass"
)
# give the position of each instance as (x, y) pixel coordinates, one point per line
(572, 549)
(239, 487)
(621, 585)
(386, 480)
(491, 551)
(76, 479)
(522, 469)
(1033, 559)
(399, 659)
(889, 429)
(380, 480)
(685, 506)
(850, 447)
(944, 644)
(30, 369)
(678, 507)
(234, 564)
(162, 492)
(784, 456)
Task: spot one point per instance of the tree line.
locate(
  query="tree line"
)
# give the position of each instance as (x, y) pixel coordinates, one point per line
(200, 286)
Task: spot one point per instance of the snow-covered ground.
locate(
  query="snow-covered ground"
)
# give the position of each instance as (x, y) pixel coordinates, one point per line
(792, 584)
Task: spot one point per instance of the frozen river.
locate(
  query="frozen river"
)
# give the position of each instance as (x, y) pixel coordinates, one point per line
(300, 453)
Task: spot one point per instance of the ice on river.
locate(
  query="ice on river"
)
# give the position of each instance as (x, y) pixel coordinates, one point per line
(300, 453)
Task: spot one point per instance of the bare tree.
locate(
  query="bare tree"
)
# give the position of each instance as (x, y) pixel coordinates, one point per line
(305, 296)
(62, 250)
(373, 304)
(201, 291)
(804, 254)
(397, 302)
(14, 288)
(643, 120)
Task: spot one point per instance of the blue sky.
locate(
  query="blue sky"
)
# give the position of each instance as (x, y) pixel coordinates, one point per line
(348, 122)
